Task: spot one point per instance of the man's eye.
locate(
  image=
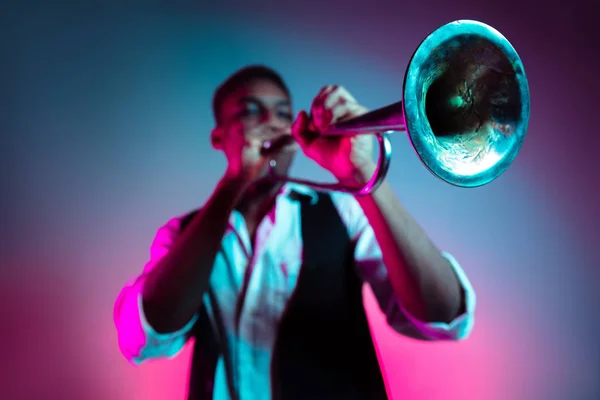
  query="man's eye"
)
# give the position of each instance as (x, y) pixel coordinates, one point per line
(286, 115)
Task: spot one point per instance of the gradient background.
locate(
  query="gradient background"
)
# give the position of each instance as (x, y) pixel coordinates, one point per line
(105, 122)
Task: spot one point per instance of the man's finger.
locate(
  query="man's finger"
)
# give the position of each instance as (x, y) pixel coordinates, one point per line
(302, 130)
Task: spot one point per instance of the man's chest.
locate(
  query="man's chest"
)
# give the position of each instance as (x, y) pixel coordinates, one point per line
(253, 283)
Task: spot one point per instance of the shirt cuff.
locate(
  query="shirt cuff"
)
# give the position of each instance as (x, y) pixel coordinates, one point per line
(462, 325)
(137, 338)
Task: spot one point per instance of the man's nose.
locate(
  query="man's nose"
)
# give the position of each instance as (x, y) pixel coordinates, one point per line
(275, 122)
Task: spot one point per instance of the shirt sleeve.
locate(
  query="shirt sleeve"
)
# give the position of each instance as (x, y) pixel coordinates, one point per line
(370, 265)
(138, 341)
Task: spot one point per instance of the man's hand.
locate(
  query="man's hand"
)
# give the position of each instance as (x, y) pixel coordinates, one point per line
(349, 159)
(245, 163)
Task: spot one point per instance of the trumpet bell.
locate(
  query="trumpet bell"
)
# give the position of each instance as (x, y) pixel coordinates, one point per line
(466, 103)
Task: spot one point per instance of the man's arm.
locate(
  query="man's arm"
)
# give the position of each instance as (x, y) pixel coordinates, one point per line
(155, 313)
(371, 268)
(173, 290)
(138, 341)
(422, 279)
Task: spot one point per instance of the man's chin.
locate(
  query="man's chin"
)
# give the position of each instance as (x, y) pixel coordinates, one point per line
(265, 184)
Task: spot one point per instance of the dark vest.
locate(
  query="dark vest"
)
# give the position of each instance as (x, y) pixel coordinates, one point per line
(323, 348)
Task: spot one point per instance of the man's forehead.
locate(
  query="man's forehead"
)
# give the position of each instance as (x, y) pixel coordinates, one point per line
(262, 91)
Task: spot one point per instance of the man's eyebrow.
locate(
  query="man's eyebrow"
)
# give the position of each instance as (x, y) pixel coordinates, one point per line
(248, 99)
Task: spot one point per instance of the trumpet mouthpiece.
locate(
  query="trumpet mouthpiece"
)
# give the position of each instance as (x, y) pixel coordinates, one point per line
(281, 143)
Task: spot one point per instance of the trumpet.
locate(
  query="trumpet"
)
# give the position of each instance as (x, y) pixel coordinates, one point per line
(465, 106)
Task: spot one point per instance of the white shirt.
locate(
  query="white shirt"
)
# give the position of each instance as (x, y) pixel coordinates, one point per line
(271, 270)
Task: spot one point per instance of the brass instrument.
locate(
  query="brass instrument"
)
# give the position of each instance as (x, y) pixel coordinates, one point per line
(465, 106)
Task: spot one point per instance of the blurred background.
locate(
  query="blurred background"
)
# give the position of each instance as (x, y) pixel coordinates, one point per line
(105, 118)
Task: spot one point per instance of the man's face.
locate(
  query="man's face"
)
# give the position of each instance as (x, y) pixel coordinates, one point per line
(263, 110)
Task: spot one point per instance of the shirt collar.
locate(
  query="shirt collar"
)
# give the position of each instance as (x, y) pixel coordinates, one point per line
(289, 188)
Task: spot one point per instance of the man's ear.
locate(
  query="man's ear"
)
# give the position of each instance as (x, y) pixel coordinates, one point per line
(216, 138)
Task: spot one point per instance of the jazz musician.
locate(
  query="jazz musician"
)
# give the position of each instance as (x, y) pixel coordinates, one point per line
(266, 276)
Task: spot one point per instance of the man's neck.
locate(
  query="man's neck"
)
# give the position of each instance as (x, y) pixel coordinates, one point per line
(256, 202)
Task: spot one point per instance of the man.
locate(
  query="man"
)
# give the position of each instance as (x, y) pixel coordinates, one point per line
(267, 277)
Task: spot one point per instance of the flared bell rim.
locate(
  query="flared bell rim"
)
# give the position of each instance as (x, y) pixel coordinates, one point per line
(417, 125)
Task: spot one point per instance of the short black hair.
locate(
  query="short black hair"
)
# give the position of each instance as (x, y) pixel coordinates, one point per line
(241, 77)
